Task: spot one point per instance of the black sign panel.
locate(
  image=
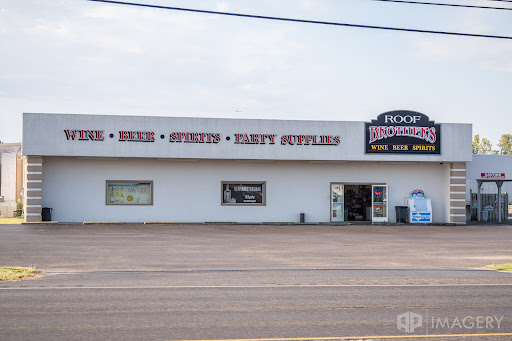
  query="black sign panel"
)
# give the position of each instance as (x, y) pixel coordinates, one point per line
(402, 132)
(243, 193)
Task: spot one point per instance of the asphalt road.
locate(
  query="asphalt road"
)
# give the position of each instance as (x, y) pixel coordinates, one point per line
(199, 282)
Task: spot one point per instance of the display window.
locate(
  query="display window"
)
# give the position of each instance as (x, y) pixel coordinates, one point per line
(246, 193)
(121, 192)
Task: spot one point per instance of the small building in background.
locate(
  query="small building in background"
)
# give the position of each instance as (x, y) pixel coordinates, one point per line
(485, 164)
(490, 170)
(11, 178)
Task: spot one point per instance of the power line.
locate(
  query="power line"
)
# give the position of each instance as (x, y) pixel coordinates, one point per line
(303, 21)
(443, 4)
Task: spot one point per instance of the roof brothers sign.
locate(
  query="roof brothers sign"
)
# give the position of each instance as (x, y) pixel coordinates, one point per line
(403, 132)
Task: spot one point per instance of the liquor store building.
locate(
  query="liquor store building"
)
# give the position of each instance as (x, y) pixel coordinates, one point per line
(176, 169)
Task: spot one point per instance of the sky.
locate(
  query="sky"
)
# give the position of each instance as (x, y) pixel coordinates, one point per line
(83, 57)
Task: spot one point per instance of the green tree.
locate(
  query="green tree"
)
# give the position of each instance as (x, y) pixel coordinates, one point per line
(481, 146)
(486, 146)
(505, 144)
(476, 144)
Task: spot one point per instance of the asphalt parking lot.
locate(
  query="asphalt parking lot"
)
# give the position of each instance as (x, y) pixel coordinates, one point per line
(177, 282)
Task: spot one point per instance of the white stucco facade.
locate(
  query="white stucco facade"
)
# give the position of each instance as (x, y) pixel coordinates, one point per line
(191, 191)
(186, 177)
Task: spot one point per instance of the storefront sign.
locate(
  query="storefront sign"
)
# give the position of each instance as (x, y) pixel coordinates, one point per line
(84, 135)
(202, 137)
(313, 140)
(492, 175)
(417, 193)
(137, 136)
(242, 138)
(403, 132)
(299, 140)
(243, 193)
(195, 137)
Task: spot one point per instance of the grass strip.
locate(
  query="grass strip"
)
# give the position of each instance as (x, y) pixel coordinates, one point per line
(16, 273)
(11, 220)
(500, 267)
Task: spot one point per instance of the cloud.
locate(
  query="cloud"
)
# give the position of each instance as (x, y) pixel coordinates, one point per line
(484, 53)
(221, 6)
(481, 53)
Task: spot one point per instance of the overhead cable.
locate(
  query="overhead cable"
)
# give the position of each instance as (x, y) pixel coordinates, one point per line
(444, 4)
(303, 21)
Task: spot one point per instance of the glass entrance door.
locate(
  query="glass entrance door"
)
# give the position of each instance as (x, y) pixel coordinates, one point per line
(380, 203)
(337, 202)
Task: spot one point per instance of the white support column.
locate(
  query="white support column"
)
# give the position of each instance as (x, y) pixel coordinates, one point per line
(499, 184)
(458, 193)
(33, 189)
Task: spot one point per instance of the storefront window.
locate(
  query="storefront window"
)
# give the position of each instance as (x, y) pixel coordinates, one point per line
(243, 193)
(129, 192)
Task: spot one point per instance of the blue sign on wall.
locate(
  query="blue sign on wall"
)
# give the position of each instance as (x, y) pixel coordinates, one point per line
(421, 217)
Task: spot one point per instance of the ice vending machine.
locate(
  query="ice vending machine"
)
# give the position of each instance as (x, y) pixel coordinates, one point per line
(420, 208)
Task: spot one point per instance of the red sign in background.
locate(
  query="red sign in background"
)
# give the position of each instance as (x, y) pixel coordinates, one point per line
(492, 175)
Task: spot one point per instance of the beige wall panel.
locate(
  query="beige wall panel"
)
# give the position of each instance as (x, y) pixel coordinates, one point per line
(34, 201)
(33, 219)
(33, 210)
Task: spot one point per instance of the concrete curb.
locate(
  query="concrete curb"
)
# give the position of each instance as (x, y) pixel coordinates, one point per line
(248, 223)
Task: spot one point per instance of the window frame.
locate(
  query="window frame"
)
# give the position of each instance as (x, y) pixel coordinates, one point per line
(128, 182)
(263, 190)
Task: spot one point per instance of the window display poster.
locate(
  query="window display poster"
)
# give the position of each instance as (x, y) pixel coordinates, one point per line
(129, 193)
(378, 211)
(240, 193)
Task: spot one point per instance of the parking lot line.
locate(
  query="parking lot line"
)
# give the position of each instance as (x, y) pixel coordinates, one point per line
(361, 337)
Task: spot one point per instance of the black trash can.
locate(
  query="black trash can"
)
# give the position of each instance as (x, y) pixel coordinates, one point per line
(302, 217)
(47, 213)
(401, 214)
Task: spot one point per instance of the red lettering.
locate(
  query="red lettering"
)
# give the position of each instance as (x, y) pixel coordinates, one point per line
(70, 134)
(374, 134)
(382, 133)
(391, 131)
(432, 136)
